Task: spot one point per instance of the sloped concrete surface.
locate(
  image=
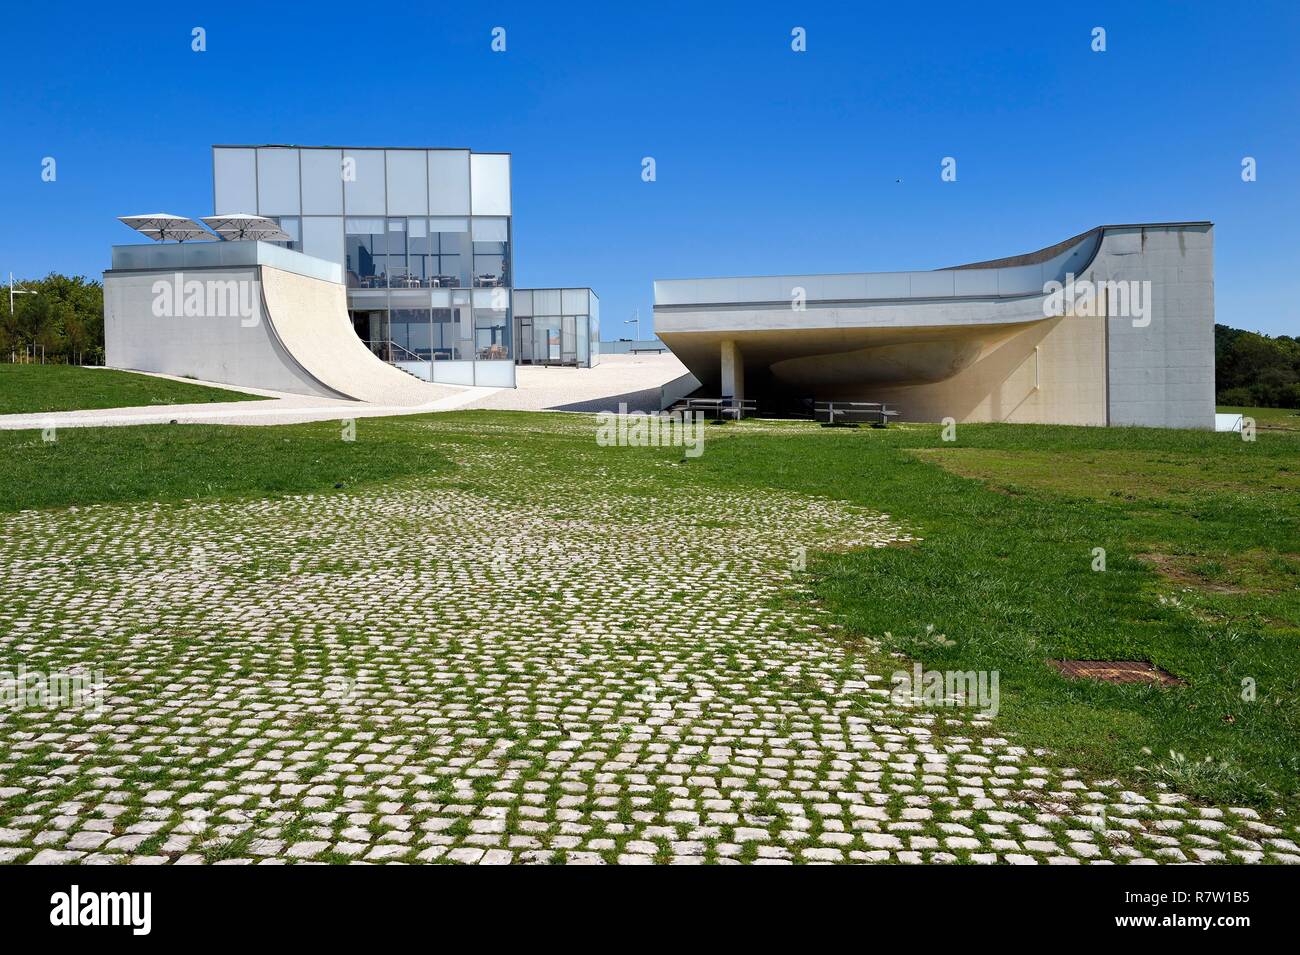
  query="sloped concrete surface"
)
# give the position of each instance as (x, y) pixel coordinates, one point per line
(634, 380)
(310, 319)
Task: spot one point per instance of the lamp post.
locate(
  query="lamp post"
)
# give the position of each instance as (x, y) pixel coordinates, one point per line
(637, 322)
(15, 291)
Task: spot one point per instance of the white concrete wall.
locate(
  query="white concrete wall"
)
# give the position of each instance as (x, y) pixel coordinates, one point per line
(289, 330)
(1162, 374)
(234, 349)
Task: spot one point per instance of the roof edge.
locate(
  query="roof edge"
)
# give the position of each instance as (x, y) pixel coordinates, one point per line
(1042, 255)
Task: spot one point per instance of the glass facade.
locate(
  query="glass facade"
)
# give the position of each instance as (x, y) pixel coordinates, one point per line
(557, 327)
(421, 252)
(423, 237)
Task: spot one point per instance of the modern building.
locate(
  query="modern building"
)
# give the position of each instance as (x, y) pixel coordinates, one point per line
(420, 241)
(1114, 326)
(557, 326)
(423, 236)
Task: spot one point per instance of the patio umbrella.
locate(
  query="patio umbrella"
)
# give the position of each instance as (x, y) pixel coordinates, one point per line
(243, 225)
(162, 226)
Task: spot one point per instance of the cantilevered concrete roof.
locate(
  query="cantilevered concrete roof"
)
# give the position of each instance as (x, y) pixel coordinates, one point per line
(1024, 274)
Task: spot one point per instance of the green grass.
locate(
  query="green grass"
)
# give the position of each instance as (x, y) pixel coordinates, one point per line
(1287, 419)
(1010, 517)
(177, 462)
(1201, 533)
(32, 389)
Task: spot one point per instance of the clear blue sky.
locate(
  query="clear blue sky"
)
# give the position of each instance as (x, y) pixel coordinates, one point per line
(768, 160)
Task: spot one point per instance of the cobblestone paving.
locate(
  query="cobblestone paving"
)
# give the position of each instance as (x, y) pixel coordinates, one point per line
(428, 673)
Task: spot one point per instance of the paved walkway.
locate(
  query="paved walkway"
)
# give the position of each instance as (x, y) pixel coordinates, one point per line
(524, 672)
(633, 380)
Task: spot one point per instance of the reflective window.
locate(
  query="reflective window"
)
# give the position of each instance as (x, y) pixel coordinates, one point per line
(491, 333)
(421, 263)
(365, 241)
(553, 327)
(491, 252)
(443, 335)
(409, 328)
(291, 226)
(584, 341)
(396, 252)
(449, 238)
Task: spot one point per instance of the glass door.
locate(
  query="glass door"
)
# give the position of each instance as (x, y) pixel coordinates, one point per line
(525, 340)
(568, 341)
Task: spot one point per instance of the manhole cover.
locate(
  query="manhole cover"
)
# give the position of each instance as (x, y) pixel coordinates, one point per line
(1116, 671)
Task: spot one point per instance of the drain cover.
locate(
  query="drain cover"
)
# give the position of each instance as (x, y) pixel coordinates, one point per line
(1116, 671)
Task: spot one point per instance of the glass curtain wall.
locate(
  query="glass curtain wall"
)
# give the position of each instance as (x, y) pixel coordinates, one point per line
(557, 327)
(419, 233)
(388, 258)
(424, 252)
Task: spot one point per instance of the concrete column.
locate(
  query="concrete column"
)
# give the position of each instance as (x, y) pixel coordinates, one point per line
(733, 371)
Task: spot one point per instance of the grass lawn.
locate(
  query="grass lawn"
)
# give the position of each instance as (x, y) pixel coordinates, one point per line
(1201, 534)
(1286, 419)
(31, 389)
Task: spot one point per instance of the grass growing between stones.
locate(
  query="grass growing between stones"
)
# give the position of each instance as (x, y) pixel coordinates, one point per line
(31, 389)
(1201, 534)
(498, 641)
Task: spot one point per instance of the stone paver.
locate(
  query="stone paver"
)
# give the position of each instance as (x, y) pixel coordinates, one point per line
(507, 673)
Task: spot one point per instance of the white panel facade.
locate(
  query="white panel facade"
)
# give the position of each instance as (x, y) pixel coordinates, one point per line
(490, 184)
(408, 182)
(322, 236)
(449, 182)
(546, 301)
(277, 182)
(490, 229)
(322, 182)
(363, 182)
(574, 301)
(234, 178)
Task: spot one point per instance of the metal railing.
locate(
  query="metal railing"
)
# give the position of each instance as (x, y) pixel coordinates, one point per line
(391, 351)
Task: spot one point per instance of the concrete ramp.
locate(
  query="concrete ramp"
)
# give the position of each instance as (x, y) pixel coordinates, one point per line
(247, 314)
(309, 317)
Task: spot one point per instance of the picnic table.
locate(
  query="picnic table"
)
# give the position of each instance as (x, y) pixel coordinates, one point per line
(720, 408)
(848, 413)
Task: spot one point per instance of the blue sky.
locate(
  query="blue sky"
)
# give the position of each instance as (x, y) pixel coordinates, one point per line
(767, 160)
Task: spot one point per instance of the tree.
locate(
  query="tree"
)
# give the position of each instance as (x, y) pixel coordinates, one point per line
(65, 317)
(1255, 369)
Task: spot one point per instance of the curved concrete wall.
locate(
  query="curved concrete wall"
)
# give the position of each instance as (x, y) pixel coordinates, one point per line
(282, 329)
(310, 319)
(236, 349)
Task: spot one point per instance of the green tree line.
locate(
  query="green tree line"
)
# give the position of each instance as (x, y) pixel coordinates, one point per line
(1256, 370)
(65, 318)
